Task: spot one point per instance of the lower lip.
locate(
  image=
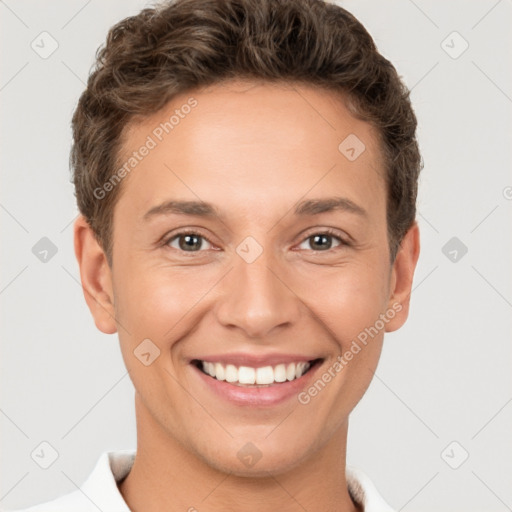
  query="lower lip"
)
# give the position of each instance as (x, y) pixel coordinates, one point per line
(258, 396)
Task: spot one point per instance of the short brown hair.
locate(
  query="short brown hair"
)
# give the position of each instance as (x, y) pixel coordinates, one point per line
(179, 45)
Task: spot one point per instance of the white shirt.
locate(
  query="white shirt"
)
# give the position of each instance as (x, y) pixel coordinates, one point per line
(100, 492)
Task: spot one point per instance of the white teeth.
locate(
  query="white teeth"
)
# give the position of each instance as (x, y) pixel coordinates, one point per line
(220, 373)
(231, 373)
(290, 371)
(265, 375)
(299, 370)
(210, 369)
(247, 375)
(280, 373)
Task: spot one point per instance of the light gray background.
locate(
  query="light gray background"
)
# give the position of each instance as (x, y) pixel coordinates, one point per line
(444, 377)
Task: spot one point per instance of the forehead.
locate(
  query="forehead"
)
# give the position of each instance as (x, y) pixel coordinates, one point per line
(250, 141)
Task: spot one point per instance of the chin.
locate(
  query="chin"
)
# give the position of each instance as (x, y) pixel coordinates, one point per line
(256, 459)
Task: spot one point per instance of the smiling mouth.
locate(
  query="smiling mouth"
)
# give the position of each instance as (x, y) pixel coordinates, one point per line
(247, 376)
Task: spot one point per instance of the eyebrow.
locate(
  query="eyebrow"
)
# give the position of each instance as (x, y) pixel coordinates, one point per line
(309, 207)
(317, 206)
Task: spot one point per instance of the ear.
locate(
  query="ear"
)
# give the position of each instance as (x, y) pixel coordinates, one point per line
(401, 278)
(95, 275)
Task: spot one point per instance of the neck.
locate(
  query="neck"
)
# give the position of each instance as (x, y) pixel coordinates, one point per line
(166, 476)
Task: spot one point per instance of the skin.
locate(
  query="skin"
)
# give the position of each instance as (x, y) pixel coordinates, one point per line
(254, 150)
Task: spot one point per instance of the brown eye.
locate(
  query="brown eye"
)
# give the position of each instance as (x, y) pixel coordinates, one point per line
(323, 241)
(187, 242)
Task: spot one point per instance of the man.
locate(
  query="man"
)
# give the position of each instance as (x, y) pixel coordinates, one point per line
(246, 173)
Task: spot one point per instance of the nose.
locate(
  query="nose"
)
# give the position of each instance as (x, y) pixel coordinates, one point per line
(257, 298)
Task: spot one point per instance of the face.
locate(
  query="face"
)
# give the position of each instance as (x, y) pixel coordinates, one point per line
(251, 283)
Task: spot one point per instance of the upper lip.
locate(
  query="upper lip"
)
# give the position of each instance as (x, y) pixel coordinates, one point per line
(255, 360)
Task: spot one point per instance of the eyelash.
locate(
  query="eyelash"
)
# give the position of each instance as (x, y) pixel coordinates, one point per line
(327, 231)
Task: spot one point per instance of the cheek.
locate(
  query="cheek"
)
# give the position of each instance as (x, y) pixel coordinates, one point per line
(161, 304)
(349, 300)
(152, 308)
(142, 310)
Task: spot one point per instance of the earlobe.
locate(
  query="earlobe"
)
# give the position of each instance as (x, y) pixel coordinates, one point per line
(402, 276)
(95, 275)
